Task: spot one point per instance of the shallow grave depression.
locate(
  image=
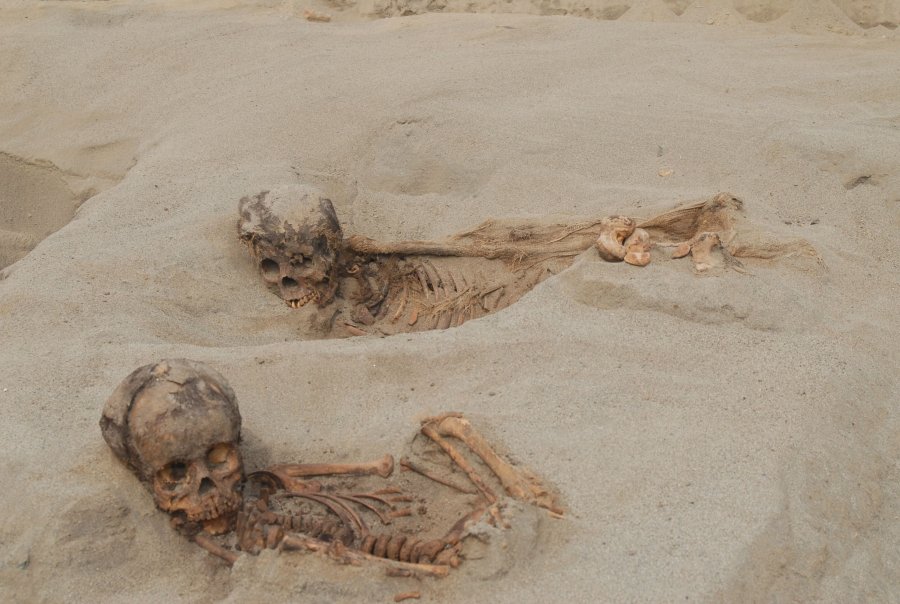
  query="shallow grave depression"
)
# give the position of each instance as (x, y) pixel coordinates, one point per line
(358, 286)
(37, 199)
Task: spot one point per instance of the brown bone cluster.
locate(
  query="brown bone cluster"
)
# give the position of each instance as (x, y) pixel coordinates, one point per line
(364, 286)
(176, 425)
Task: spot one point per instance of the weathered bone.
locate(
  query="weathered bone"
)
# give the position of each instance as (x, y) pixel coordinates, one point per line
(191, 411)
(382, 288)
(340, 553)
(229, 556)
(429, 430)
(407, 464)
(490, 250)
(637, 248)
(701, 249)
(176, 425)
(294, 236)
(614, 230)
(517, 484)
(382, 467)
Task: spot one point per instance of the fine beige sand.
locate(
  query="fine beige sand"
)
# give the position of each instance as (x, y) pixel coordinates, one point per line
(732, 437)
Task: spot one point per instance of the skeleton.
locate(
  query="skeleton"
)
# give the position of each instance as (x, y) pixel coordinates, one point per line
(176, 425)
(365, 286)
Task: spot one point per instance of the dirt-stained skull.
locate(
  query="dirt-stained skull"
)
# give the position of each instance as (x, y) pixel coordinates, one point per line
(295, 238)
(176, 424)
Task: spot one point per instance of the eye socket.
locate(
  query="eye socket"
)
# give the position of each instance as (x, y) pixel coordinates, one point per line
(172, 475)
(218, 454)
(269, 268)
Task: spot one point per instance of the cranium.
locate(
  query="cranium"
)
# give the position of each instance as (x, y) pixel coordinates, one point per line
(295, 238)
(176, 424)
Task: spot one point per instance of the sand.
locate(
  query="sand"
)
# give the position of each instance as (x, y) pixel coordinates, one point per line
(732, 437)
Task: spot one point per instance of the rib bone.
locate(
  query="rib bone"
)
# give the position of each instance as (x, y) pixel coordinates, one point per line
(337, 551)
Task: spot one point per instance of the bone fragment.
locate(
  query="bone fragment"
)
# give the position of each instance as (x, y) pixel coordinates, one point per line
(402, 306)
(702, 249)
(215, 549)
(382, 467)
(385, 518)
(353, 330)
(442, 319)
(337, 551)
(429, 430)
(407, 595)
(405, 463)
(614, 230)
(682, 250)
(637, 248)
(489, 250)
(348, 515)
(423, 281)
(516, 483)
(274, 535)
(315, 16)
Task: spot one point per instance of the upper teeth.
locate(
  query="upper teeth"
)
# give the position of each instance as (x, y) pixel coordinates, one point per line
(298, 302)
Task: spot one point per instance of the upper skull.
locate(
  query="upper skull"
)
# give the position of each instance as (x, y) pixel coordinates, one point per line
(295, 237)
(176, 424)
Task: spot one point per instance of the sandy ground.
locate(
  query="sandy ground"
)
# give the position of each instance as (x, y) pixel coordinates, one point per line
(734, 437)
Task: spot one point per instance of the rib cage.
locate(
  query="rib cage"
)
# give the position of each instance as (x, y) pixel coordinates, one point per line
(258, 528)
(422, 297)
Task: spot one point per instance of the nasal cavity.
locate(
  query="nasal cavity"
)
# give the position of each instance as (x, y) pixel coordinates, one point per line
(206, 485)
(288, 282)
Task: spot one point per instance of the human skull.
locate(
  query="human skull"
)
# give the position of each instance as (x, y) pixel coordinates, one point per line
(294, 236)
(176, 424)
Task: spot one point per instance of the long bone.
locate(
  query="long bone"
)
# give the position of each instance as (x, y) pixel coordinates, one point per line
(204, 541)
(412, 467)
(476, 249)
(287, 472)
(519, 485)
(431, 432)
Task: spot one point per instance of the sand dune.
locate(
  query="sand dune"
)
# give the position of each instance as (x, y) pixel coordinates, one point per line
(730, 437)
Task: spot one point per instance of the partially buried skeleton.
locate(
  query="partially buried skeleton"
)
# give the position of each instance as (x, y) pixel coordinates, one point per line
(360, 286)
(177, 426)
